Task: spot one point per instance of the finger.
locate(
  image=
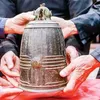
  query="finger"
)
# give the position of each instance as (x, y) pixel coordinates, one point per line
(9, 62)
(21, 20)
(73, 55)
(66, 32)
(60, 21)
(28, 16)
(7, 59)
(75, 81)
(6, 71)
(72, 52)
(57, 19)
(30, 12)
(69, 76)
(16, 64)
(68, 58)
(21, 27)
(4, 82)
(12, 81)
(67, 70)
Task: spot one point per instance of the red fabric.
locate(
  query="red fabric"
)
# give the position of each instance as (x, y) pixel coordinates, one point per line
(89, 90)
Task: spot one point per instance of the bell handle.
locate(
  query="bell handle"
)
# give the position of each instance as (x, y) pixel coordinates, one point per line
(42, 13)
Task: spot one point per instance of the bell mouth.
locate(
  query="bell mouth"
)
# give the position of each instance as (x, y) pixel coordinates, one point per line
(41, 90)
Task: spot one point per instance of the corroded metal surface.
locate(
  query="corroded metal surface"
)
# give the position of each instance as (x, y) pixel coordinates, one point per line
(42, 56)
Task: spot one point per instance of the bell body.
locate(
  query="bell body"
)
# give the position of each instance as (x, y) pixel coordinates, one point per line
(42, 57)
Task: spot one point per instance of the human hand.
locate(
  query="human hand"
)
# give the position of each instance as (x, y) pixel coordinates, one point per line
(4, 82)
(77, 72)
(10, 67)
(71, 54)
(18, 23)
(7, 90)
(67, 26)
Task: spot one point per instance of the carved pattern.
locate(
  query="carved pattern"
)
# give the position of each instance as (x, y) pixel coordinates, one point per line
(47, 76)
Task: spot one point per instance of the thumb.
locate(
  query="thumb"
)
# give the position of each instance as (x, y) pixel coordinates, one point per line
(67, 70)
(72, 53)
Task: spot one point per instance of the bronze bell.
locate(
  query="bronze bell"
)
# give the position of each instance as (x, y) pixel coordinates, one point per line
(42, 54)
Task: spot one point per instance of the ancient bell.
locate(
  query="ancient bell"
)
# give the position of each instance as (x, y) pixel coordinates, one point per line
(42, 54)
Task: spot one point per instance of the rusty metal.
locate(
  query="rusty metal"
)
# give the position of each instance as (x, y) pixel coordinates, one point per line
(42, 54)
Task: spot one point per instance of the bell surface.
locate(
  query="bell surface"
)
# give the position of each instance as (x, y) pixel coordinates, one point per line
(42, 57)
